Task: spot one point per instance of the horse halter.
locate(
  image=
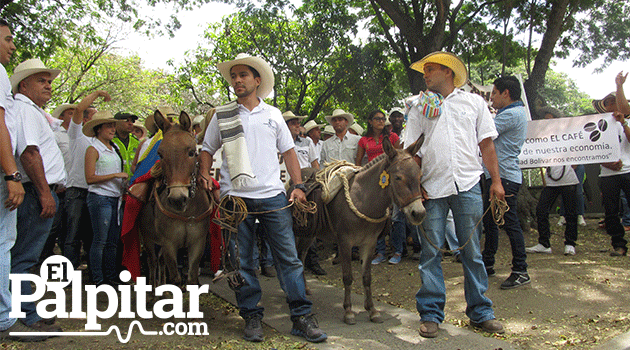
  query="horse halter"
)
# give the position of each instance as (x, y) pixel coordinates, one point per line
(192, 186)
(412, 198)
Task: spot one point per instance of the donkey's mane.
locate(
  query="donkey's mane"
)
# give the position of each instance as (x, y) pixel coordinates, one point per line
(373, 162)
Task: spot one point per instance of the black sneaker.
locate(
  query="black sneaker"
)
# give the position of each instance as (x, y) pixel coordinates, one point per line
(306, 327)
(253, 329)
(490, 271)
(316, 269)
(516, 279)
(18, 326)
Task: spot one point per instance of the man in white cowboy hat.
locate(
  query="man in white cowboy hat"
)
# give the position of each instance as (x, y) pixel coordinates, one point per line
(450, 176)
(614, 177)
(356, 129)
(41, 163)
(327, 133)
(304, 147)
(78, 224)
(251, 133)
(314, 132)
(11, 193)
(343, 145)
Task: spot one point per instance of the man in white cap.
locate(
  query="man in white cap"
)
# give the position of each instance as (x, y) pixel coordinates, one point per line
(251, 133)
(455, 131)
(343, 145)
(11, 193)
(42, 164)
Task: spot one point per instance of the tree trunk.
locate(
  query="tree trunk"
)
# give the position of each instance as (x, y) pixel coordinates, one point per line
(536, 81)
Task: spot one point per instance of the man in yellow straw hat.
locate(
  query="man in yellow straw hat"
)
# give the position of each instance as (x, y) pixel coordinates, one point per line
(456, 125)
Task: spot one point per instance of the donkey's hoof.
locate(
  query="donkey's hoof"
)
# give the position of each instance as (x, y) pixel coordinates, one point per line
(376, 318)
(349, 318)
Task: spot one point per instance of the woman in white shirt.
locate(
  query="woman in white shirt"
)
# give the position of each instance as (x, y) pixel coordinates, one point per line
(105, 177)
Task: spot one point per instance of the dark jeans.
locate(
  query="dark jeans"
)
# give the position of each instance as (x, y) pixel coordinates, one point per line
(547, 198)
(58, 231)
(512, 228)
(79, 225)
(32, 233)
(611, 187)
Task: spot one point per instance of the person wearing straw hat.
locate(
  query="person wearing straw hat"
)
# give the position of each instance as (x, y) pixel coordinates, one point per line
(79, 225)
(11, 194)
(614, 177)
(304, 147)
(356, 129)
(327, 133)
(139, 131)
(105, 175)
(41, 163)
(251, 133)
(343, 145)
(456, 125)
(314, 132)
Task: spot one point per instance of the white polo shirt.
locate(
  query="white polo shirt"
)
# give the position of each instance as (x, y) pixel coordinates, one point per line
(450, 152)
(266, 134)
(305, 150)
(33, 129)
(556, 176)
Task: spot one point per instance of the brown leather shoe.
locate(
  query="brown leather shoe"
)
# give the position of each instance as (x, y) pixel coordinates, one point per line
(490, 326)
(429, 329)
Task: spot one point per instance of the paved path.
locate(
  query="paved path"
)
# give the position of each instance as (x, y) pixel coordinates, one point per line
(398, 331)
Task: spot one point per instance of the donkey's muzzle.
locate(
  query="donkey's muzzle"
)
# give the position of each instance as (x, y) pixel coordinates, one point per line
(415, 212)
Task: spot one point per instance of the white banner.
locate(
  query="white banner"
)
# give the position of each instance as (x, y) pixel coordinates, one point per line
(574, 140)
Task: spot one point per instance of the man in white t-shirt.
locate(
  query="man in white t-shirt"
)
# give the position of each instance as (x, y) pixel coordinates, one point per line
(304, 147)
(251, 133)
(615, 177)
(451, 177)
(41, 160)
(314, 132)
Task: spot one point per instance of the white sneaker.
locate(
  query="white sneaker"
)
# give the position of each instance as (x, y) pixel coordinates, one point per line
(569, 250)
(581, 220)
(562, 221)
(538, 248)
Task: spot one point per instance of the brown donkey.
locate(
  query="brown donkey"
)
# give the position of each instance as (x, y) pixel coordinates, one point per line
(394, 176)
(177, 214)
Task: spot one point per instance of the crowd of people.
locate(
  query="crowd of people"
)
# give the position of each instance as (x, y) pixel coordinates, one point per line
(65, 174)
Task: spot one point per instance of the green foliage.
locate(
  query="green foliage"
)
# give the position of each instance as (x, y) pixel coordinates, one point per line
(85, 68)
(562, 93)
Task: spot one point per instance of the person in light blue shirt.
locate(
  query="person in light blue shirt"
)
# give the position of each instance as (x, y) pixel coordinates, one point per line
(511, 124)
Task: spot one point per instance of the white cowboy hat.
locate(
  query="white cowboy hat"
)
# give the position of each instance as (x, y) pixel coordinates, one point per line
(263, 68)
(198, 120)
(311, 125)
(340, 113)
(288, 115)
(100, 117)
(446, 59)
(356, 127)
(138, 124)
(328, 130)
(62, 108)
(28, 68)
(396, 109)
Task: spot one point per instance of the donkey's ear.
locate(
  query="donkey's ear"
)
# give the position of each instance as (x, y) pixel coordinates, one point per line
(415, 147)
(388, 148)
(184, 121)
(161, 122)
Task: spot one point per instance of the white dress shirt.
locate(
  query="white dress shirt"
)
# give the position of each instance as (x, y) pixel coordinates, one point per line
(450, 152)
(337, 149)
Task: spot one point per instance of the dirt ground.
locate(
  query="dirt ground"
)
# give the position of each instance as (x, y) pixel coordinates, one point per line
(573, 302)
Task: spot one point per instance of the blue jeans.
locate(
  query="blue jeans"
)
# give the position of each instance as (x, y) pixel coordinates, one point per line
(8, 232)
(279, 228)
(78, 224)
(104, 215)
(512, 228)
(467, 210)
(32, 233)
(579, 193)
(398, 233)
(451, 237)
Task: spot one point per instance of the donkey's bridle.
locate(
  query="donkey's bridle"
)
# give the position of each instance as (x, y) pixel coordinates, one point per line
(192, 186)
(177, 216)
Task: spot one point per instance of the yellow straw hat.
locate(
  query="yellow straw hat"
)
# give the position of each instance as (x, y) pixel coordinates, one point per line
(446, 59)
